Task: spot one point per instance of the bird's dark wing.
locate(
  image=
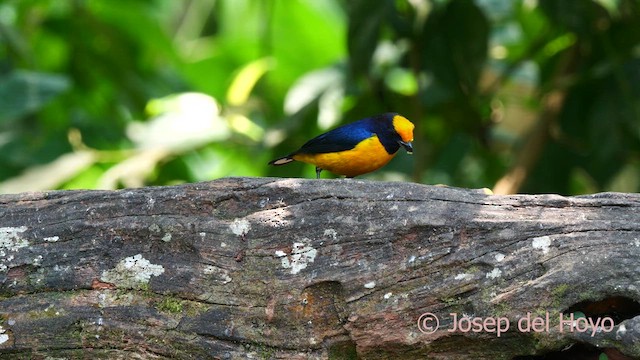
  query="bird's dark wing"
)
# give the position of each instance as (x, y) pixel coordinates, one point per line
(339, 139)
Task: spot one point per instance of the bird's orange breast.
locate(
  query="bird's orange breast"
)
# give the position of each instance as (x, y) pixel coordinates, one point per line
(367, 156)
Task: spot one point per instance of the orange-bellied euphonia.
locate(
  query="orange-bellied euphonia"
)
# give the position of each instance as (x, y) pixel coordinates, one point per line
(356, 148)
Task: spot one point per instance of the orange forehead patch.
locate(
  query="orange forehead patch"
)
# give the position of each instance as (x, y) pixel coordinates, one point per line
(403, 127)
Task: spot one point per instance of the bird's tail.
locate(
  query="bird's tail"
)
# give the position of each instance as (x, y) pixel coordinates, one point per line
(281, 161)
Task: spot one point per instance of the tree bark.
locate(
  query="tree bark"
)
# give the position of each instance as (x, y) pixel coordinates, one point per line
(297, 269)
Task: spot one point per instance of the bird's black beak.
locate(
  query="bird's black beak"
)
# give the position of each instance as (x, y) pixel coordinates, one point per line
(407, 146)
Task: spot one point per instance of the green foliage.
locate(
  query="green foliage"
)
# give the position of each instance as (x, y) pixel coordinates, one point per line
(23, 93)
(522, 96)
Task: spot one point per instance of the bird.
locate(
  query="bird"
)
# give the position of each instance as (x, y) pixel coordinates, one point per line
(356, 148)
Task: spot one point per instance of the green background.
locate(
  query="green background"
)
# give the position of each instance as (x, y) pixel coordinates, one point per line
(518, 96)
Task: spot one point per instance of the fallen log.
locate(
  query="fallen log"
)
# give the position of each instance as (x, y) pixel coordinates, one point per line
(321, 269)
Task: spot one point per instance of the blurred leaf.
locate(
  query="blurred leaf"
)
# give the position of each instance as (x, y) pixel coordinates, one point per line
(584, 16)
(51, 175)
(581, 182)
(558, 44)
(365, 22)
(626, 180)
(137, 22)
(455, 46)
(246, 80)
(182, 122)
(243, 125)
(600, 123)
(330, 106)
(305, 36)
(25, 92)
(224, 159)
(401, 81)
(310, 87)
(87, 179)
(134, 171)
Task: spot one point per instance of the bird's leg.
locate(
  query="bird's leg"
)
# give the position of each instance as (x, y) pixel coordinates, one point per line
(318, 171)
